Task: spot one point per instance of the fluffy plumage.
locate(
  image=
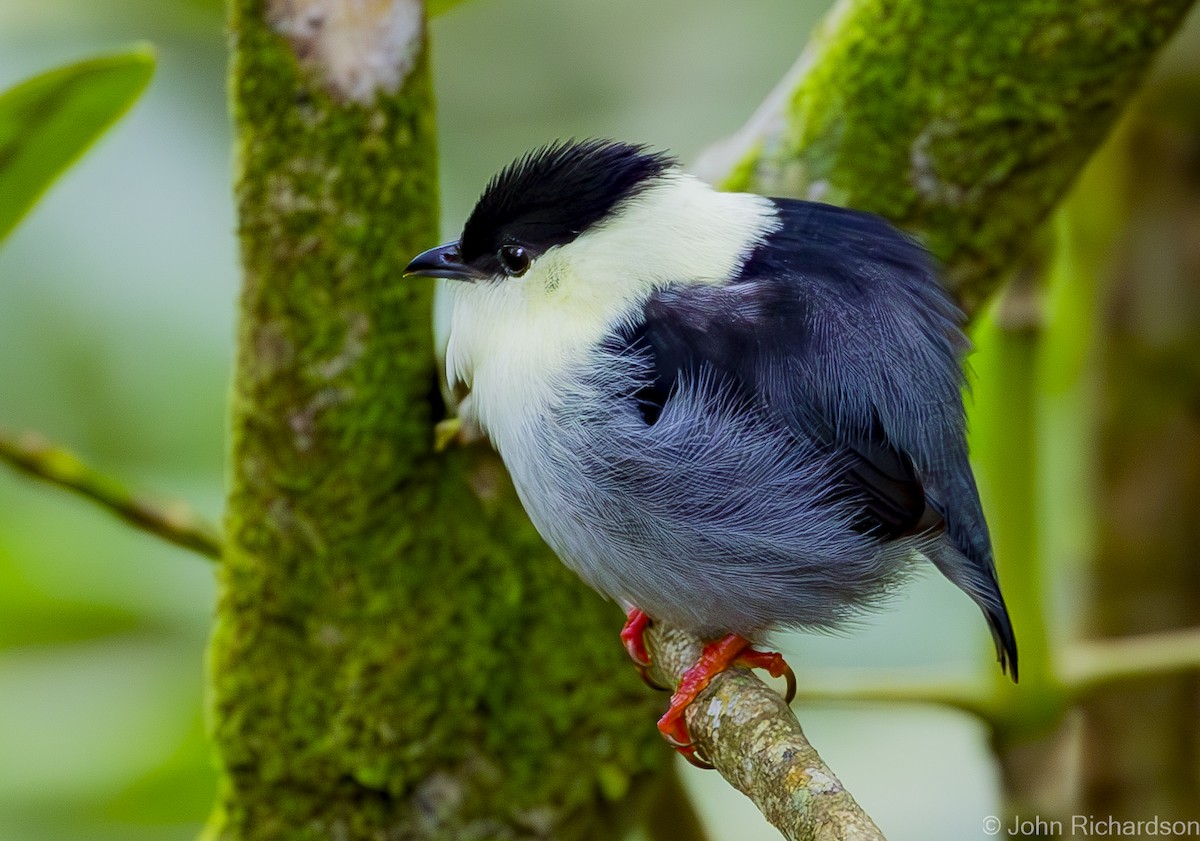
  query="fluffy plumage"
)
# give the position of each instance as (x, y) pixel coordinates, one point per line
(733, 412)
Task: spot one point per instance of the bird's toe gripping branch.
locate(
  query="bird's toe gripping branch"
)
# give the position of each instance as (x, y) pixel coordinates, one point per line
(715, 658)
(633, 635)
(772, 663)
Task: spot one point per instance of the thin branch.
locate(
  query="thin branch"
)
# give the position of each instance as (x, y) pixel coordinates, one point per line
(754, 740)
(1084, 667)
(974, 697)
(1087, 666)
(172, 520)
(749, 734)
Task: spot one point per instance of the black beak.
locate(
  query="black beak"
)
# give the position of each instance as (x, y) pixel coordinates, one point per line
(443, 261)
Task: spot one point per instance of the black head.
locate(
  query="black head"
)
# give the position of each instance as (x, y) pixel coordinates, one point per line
(546, 198)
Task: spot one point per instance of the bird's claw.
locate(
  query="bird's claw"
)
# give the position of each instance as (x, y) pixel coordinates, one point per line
(648, 679)
(633, 636)
(674, 729)
(772, 663)
(714, 659)
(675, 733)
(693, 755)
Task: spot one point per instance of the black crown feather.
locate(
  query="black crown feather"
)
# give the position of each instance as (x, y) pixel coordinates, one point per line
(554, 193)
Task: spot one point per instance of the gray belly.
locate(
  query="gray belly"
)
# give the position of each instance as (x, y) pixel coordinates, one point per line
(714, 518)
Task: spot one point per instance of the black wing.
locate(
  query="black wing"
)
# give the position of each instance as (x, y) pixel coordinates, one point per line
(750, 333)
(838, 326)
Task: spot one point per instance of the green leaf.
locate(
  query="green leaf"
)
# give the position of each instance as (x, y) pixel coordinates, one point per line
(48, 121)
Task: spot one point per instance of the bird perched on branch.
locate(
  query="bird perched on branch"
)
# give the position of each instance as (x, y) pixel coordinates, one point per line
(727, 412)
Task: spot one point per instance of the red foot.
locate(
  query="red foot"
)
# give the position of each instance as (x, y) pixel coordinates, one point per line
(633, 635)
(714, 659)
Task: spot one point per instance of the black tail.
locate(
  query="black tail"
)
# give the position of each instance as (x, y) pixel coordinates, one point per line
(977, 578)
(1002, 633)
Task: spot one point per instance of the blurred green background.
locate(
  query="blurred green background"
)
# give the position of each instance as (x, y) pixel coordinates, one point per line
(116, 316)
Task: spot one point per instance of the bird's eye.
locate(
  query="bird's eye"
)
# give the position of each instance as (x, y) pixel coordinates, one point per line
(514, 259)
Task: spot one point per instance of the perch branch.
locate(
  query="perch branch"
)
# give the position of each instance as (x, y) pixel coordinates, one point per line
(752, 738)
(172, 520)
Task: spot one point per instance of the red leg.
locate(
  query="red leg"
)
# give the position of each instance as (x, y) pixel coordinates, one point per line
(633, 635)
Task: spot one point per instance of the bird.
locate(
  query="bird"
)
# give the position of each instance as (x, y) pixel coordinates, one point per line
(730, 413)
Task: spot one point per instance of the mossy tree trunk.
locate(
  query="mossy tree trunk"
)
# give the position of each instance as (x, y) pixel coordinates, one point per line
(396, 655)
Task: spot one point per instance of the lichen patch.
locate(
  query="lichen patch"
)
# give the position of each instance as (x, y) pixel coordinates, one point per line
(359, 47)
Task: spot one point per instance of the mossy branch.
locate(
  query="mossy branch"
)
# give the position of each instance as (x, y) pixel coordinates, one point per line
(172, 520)
(358, 565)
(964, 123)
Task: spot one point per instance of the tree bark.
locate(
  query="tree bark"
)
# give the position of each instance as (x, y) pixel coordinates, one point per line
(396, 655)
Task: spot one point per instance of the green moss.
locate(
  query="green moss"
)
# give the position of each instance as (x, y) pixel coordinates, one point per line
(391, 658)
(963, 122)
